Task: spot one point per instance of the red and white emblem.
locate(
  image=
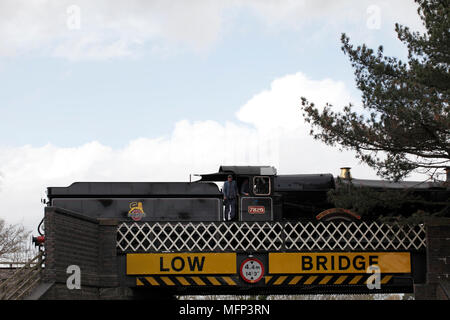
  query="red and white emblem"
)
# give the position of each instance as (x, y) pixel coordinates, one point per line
(252, 270)
(136, 211)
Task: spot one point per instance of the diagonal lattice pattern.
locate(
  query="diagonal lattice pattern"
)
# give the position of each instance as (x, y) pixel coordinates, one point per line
(353, 236)
(202, 236)
(267, 236)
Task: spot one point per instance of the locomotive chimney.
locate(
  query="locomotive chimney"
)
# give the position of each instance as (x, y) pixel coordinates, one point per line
(345, 173)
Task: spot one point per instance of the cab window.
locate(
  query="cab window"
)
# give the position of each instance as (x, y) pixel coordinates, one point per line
(261, 186)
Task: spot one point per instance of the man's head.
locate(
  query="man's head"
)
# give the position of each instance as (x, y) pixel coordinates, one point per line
(230, 177)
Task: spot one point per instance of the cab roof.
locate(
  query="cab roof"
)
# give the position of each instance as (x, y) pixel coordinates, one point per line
(224, 171)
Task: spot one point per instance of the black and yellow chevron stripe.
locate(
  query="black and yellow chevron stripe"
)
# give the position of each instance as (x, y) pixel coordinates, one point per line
(186, 281)
(322, 279)
(269, 280)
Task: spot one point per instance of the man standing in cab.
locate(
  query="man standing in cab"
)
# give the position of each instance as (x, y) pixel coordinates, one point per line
(230, 193)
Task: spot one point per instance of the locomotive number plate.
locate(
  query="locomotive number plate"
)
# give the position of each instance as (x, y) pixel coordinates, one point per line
(256, 210)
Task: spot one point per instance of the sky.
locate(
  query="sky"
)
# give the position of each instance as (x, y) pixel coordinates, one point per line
(157, 90)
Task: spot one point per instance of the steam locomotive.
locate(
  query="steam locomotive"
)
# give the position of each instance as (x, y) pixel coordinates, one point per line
(272, 197)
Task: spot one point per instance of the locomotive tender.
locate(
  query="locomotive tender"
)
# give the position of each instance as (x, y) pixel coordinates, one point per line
(272, 197)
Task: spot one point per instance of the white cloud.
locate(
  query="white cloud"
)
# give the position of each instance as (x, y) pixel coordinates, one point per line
(119, 29)
(278, 107)
(106, 29)
(269, 131)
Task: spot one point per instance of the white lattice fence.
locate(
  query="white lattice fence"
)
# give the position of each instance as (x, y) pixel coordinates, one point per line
(353, 236)
(267, 236)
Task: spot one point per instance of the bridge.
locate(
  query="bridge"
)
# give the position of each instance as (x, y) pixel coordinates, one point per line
(129, 260)
(283, 257)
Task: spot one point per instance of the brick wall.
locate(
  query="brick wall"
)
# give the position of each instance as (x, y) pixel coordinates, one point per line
(73, 239)
(438, 261)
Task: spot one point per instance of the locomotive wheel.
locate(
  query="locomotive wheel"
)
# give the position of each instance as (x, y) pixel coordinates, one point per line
(338, 215)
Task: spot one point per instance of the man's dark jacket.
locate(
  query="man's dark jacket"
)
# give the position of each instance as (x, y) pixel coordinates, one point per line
(230, 192)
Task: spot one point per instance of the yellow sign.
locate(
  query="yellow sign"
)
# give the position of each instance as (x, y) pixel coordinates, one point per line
(338, 262)
(181, 263)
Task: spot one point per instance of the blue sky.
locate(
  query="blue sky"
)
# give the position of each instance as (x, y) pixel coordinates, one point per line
(156, 90)
(48, 99)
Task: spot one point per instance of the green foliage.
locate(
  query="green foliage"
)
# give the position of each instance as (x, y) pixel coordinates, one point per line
(387, 205)
(365, 201)
(405, 125)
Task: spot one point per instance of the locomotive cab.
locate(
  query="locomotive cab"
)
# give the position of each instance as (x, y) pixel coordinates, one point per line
(255, 201)
(273, 197)
(258, 205)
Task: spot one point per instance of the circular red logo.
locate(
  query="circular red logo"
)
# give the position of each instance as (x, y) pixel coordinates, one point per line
(136, 214)
(252, 270)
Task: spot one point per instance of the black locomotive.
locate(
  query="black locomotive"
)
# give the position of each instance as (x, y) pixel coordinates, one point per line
(271, 197)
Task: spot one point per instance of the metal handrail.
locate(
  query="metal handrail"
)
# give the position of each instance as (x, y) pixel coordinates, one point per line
(23, 279)
(12, 262)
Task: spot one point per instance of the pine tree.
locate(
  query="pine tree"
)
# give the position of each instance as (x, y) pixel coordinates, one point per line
(405, 125)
